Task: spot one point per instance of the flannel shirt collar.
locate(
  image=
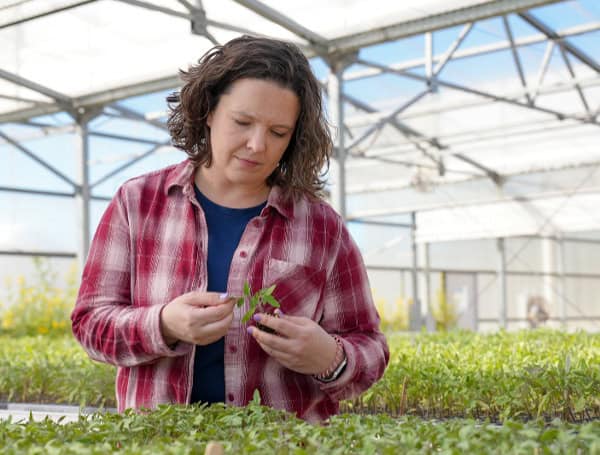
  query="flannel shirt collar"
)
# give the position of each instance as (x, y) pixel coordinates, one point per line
(182, 175)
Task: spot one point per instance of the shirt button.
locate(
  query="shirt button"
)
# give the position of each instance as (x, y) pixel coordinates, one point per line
(243, 254)
(230, 397)
(232, 348)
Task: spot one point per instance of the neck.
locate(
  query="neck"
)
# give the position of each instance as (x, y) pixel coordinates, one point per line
(224, 193)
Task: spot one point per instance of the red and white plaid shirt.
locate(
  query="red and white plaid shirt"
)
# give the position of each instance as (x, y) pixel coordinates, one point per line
(151, 246)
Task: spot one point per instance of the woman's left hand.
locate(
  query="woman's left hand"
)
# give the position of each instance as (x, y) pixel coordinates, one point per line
(300, 344)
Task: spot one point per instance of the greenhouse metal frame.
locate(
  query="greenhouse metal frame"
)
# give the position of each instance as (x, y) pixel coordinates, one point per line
(367, 133)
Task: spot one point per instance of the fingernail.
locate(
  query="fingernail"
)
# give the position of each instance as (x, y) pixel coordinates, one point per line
(249, 330)
(278, 312)
(256, 317)
(223, 296)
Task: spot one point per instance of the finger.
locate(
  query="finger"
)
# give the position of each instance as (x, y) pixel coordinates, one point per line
(202, 299)
(210, 314)
(209, 333)
(283, 325)
(282, 357)
(272, 341)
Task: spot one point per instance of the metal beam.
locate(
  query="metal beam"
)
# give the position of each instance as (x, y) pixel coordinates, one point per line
(543, 69)
(22, 99)
(388, 268)
(381, 223)
(452, 49)
(83, 192)
(49, 193)
(516, 59)
(170, 82)
(130, 113)
(44, 14)
(319, 42)
(479, 50)
(559, 115)
(434, 22)
(60, 98)
(503, 297)
(9, 189)
(558, 87)
(362, 214)
(415, 315)
(551, 34)
(160, 9)
(565, 57)
(382, 121)
(49, 254)
(120, 137)
(336, 109)
(129, 164)
(38, 160)
(97, 99)
(493, 175)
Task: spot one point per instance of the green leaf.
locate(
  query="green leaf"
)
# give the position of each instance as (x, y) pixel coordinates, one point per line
(246, 289)
(271, 301)
(248, 315)
(256, 397)
(240, 302)
(269, 290)
(254, 301)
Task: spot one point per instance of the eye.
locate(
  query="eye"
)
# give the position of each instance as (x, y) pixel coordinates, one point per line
(278, 134)
(242, 122)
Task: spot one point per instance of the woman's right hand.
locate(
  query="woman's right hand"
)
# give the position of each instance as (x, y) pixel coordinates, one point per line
(197, 317)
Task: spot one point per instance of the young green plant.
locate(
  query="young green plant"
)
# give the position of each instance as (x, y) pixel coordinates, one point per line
(258, 298)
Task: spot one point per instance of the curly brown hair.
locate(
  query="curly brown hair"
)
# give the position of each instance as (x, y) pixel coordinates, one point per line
(301, 168)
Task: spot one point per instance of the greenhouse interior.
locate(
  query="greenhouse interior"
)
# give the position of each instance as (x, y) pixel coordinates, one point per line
(466, 167)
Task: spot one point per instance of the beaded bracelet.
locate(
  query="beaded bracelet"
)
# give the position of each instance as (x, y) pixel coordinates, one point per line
(338, 364)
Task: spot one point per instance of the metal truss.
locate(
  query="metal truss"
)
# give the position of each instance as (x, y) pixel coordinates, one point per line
(413, 148)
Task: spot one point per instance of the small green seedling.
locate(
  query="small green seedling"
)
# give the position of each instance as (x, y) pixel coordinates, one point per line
(259, 298)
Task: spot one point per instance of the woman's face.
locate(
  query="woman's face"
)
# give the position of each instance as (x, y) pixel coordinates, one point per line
(250, 129)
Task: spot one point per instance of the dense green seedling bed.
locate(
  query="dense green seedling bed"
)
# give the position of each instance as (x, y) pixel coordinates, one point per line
(53, 370)
(260, 430)
(528, 374)
(524, 375)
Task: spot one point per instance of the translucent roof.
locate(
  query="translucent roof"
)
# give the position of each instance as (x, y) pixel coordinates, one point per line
(67, 49)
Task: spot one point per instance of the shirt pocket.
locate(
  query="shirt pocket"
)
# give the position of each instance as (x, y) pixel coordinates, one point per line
(298, 288)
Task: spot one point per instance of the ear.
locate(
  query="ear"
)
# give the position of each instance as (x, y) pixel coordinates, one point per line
(209, 119)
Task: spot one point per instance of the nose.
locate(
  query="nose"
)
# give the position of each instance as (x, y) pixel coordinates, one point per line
(257, 142)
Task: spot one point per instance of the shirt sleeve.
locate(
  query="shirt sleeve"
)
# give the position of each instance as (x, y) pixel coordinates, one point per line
(349, 312)
(105, 321)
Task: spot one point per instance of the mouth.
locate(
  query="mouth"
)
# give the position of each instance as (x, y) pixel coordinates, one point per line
(247, 162)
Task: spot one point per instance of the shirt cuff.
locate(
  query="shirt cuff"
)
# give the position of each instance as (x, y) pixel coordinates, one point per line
(157, 342)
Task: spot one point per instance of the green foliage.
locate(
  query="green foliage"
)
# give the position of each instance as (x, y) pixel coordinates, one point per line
(53, 370)
(528, 374)
(260, 430)
(39, 307)
(524, 375)
(256, 300)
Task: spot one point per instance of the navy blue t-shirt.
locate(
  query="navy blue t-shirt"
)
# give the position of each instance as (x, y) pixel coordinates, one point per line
(225, 229)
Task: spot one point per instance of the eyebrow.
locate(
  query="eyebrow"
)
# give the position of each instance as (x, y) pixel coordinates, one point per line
(246, 114)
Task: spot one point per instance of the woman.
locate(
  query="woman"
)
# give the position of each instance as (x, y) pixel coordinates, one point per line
(175, 248)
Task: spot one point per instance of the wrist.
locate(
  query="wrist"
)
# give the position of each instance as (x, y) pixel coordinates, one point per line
(337, 366)
(168, 338)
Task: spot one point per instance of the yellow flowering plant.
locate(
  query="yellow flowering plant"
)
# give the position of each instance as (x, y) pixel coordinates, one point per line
(39, 306)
